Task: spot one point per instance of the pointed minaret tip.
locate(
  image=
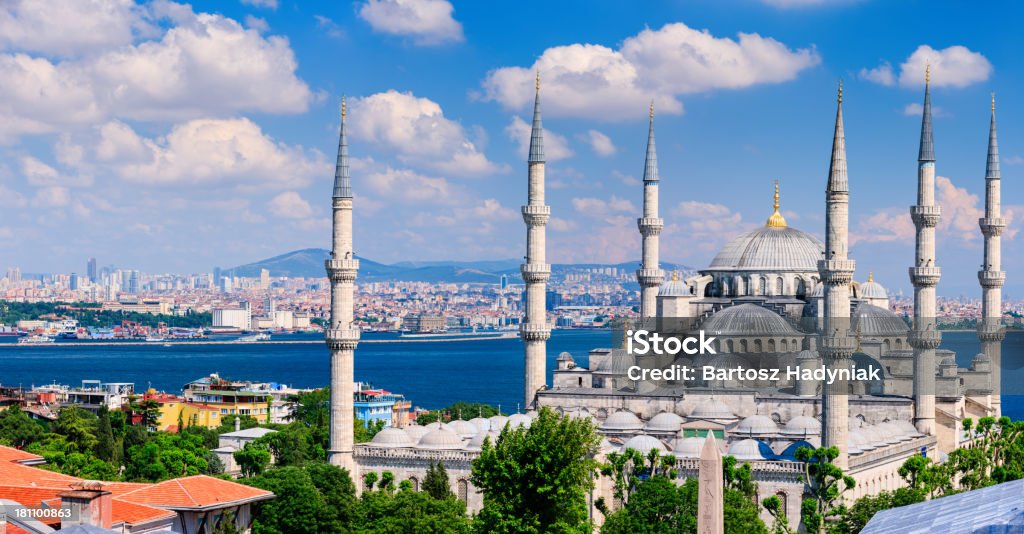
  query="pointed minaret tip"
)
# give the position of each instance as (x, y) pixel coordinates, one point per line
(992, 166)
(652, 110)
(537, 84)
(537, 131)
(927, 74)
(342, 178)
(840, 91)
(651, 158)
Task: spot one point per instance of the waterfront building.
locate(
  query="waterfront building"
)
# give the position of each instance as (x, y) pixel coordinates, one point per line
(422, 322)
(379, 405)
(224, 397)
(240, 318)
(93, 394)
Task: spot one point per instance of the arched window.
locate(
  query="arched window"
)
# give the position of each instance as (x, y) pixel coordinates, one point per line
(743, 345)
(784, 499)
(785, 345)
(757, 345)
(779, 287)
(728, 345)
(739, 286)
(801, 287)
(415, 483)
(463, 490)
(771, 345)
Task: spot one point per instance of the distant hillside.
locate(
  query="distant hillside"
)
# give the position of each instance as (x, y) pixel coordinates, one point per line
(309, 263)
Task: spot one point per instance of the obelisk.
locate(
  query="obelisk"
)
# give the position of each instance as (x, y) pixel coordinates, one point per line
(710, 507)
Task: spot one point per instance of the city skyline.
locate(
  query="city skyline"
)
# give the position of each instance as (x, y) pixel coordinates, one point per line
(205, 170)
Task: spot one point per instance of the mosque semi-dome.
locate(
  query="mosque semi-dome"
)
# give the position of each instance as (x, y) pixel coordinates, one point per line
(871, 320)
(748, 320)
(441, 438)
(391, 437)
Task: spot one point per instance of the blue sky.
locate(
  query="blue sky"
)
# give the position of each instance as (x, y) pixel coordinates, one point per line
(174, 137)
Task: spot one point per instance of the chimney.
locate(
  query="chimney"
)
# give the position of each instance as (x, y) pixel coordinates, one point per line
(238, 423)
(89, 505)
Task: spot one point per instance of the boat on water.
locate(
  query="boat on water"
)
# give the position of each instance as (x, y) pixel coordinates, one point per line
(253, 338)
(38, 339)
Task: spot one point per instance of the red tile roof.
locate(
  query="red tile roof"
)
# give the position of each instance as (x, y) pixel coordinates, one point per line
(132, 502)
(198, 491)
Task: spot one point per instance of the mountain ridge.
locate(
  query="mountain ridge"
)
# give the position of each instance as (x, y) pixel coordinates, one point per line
(309, 263)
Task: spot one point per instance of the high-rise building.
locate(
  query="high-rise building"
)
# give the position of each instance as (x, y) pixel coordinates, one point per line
(216, 277)
(90, 270)
(264, 279)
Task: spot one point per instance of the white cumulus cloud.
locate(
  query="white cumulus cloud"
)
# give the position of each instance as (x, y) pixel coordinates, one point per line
(954, 66)
(427, 22)
(290, 205)
(417, 132)
(600, 143)
(203, 64)
(209, 152)
(595, 81)
(70, 27)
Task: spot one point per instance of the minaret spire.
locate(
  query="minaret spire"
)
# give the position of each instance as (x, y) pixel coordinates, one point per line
(342, 337)
(991, 277)
(925, 274)
(534, 328)
(836, 271)
(342, 180)
(649, 275)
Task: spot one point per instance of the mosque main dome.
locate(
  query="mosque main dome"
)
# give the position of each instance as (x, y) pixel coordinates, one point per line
(770, 248)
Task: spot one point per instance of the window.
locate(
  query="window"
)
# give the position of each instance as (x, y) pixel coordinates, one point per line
(779, 290)
(463, 490)
(415, 483)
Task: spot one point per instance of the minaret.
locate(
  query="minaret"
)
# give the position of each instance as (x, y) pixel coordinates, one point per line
(342, 337)
(836, 270)
(990, 331)
(925, 338)
(649, 275)
(536, 271)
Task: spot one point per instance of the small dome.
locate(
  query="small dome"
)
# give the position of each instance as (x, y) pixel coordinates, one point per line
(416, 432)
(520, 419)
(664, 422)
(908, 428)
(440, 438)
(674, 288)
(498, 422)
(981, 357)
(802, 425)
(855, 442)
(391, 437)
(622, 421)
(747, 320)
(757, 425)
(564, 357)
(482, 424)
(891, 432)
(807, 355)
(748, 449)
(712, 409)
(869, 320)
(644, 444)
(872, 290)
(478, 440)
(438, 424)
(688, 447)
(464, 429)
(873, 438)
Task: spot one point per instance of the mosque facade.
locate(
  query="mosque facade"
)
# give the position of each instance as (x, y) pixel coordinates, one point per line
(773, 296)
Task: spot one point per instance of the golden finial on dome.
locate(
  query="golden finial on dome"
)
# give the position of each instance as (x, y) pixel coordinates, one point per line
(776, 220)
(675, 275)
(871, 277)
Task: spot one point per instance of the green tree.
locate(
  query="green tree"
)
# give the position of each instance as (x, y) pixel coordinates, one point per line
(105, 446)
(826, 482)
(858, 515)
(225, 524)
(413, 512)
(780, 523)
(78, 426)
(149, 413)
(338, 492)
(227, 423)
(17, 429)
(435, 483)
(297, 508)
(166, 456)
(458, 410)
(536, 479)
(253, 459)
(657, 506)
